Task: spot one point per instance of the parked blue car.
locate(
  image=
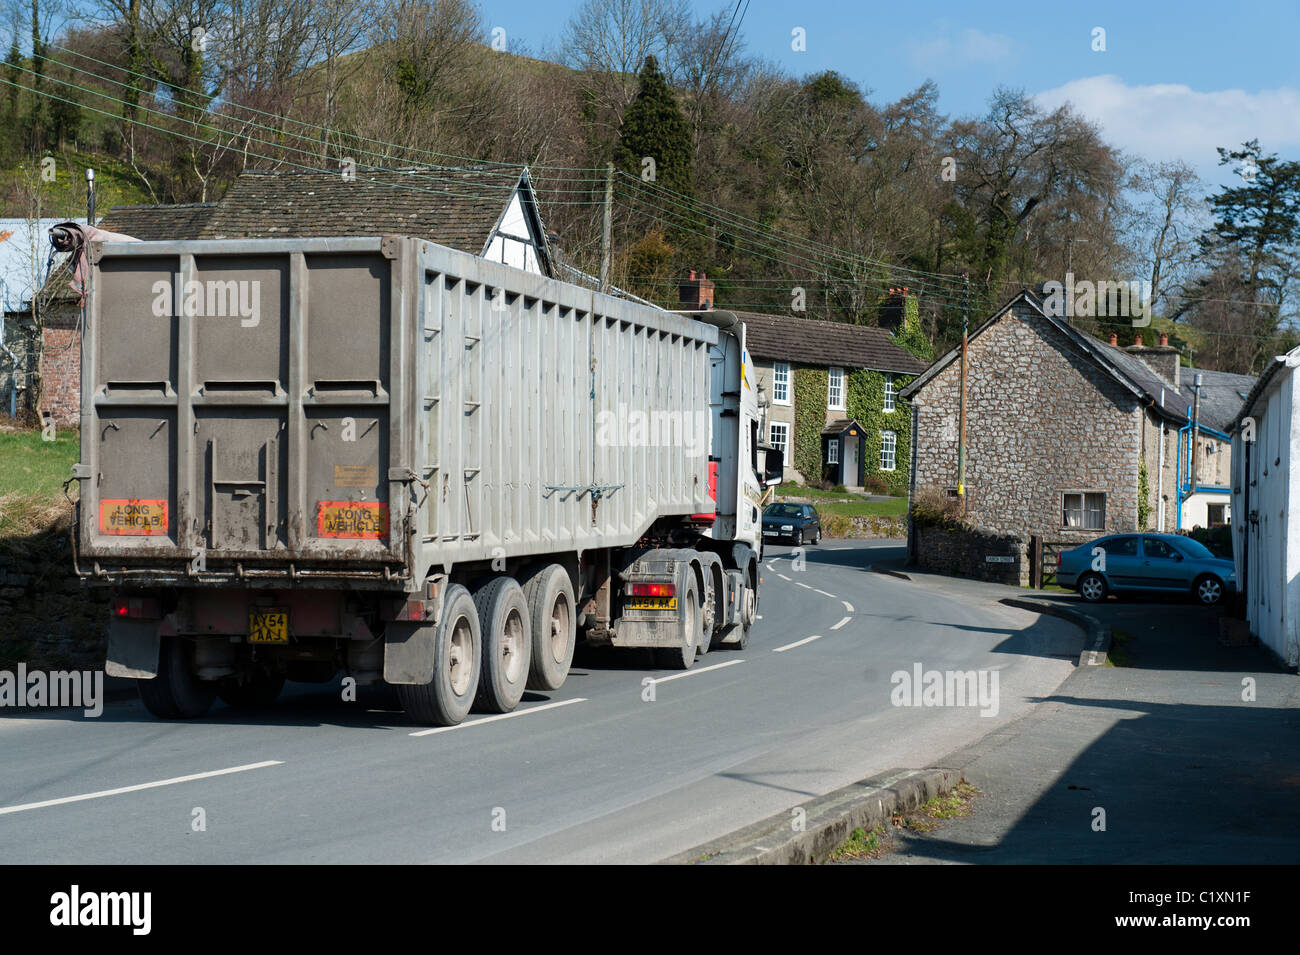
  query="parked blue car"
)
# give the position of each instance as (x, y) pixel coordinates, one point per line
(1146, 563)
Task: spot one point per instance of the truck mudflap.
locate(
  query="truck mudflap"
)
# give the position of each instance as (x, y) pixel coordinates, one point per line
(655, 586)
(132, 648)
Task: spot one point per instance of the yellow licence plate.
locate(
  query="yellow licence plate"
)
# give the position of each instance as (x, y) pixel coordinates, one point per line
(652, 603)
(268, 626)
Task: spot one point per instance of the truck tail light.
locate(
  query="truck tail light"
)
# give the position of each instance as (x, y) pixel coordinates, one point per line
(409, 610)
(145, 608)
(652, 590)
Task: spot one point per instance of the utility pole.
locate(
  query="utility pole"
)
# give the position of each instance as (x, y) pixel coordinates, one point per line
(961, 436)
(90, 197)
(608, 227)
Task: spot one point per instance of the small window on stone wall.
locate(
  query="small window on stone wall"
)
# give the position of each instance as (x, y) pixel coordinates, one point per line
(1083, 510)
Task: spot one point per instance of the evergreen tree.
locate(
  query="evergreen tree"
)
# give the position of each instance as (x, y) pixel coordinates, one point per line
(654, 128)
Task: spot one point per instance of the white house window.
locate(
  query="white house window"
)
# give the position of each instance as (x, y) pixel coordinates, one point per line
(1084, 511)
(780, 383)
(778, 435)
(890, 392)
(835, 390)
(833, 453)
(888, 448)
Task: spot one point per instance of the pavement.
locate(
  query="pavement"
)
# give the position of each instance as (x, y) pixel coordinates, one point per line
(624, 763)
(1189, 755)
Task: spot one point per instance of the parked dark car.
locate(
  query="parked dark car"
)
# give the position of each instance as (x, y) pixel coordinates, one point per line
(793, 522)
(1146, 563)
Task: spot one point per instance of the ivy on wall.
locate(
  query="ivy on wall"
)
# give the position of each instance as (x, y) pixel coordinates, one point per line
(866, 401)
(809, 418)
(1144, 495)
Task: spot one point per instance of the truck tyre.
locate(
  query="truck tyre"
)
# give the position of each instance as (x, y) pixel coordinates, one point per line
(681, 658)
(261, 689)
(445, 700)
(549, 593)
(507, 645)
(176, 692)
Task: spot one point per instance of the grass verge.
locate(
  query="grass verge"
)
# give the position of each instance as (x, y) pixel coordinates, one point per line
(1121, 646)
(862, 845)
(32, 472)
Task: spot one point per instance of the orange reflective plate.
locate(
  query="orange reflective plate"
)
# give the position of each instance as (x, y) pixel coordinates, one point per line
(354, 520)
(133, 516)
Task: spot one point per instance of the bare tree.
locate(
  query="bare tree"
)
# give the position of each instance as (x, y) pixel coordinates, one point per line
(608, 41)
(1170, 217)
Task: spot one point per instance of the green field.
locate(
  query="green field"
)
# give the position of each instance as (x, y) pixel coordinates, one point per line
(32, 472)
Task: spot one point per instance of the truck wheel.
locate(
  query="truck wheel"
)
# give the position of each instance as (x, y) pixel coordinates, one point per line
(507, 644)
(176, 693)
(549, 593)
(445, 700)
(262, 689)
(681, 658)
(748, 609)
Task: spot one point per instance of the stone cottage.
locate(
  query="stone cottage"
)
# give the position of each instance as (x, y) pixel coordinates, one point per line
(1069, 437)
(829, 392)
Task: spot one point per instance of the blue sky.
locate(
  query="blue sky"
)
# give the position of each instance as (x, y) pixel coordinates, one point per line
(1175, 79)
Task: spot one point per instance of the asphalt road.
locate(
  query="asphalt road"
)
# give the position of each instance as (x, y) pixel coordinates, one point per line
(595, 772)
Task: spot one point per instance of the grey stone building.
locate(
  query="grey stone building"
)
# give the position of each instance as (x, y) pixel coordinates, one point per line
(1063, 429)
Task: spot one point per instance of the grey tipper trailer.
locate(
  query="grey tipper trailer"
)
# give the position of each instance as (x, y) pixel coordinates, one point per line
(390, 458)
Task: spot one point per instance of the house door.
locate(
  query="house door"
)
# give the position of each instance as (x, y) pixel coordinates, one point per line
(849, 469)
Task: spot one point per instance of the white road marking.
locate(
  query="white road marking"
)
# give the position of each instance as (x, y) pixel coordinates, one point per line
(758, 617)
(678, 676)
(499, 716)
(782, 576)
(825, 594)
(805, 586)
(848, 606)
(131, 789)
(841, 623)
(797, 643)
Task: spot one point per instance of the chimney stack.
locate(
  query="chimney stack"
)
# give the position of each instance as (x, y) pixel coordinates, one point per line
(1162, 358)
(696, 292)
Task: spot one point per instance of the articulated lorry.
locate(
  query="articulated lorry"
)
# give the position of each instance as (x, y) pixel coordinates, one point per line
(387, 458)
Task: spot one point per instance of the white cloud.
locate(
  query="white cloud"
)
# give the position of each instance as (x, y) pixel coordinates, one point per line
(1173, 121)
(971, 46)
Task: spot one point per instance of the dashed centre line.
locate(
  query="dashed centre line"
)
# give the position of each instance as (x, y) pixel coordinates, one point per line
(841, 623)
(797, 643)
(848, 607)
(825, 594)
(499, 716)
(5, 810)
(686, 673)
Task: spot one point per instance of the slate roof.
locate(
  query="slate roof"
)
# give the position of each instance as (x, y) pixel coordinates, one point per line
(459, 208)
(1222, 395)
(1217, 400)
(811, 342)
(152, 223)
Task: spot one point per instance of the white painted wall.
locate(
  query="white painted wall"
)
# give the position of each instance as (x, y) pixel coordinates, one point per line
(1196, 509)
(1266, 538)
(502, 248)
